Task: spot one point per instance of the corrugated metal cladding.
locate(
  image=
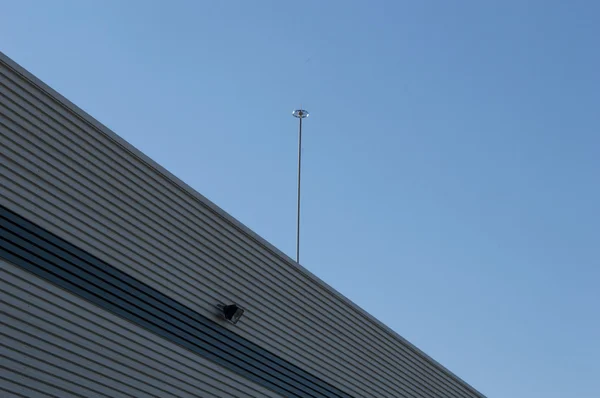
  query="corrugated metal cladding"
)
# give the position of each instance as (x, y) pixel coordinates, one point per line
(55, 344)
(68, 174)
(52, 258)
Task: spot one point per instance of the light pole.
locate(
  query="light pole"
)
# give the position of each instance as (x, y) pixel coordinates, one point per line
(300, 114)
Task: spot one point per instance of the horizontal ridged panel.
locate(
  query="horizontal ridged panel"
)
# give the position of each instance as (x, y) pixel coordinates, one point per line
(118, 206)
(65, 343)
(47, 256)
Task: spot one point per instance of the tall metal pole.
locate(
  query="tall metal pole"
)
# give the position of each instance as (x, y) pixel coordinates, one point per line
(300, 114)
(299, 179)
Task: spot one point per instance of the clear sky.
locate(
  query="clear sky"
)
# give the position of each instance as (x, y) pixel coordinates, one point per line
(452, 156)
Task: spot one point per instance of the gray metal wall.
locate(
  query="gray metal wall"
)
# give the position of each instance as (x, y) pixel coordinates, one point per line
(55, 344)
(69, 174)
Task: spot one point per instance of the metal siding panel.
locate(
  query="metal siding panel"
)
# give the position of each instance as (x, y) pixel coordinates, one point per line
(26, 383)
(148, 206)
(33, 372)
(62, 340)
(60, 262)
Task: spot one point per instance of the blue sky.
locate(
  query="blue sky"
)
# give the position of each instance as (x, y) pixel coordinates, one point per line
(451, 158)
